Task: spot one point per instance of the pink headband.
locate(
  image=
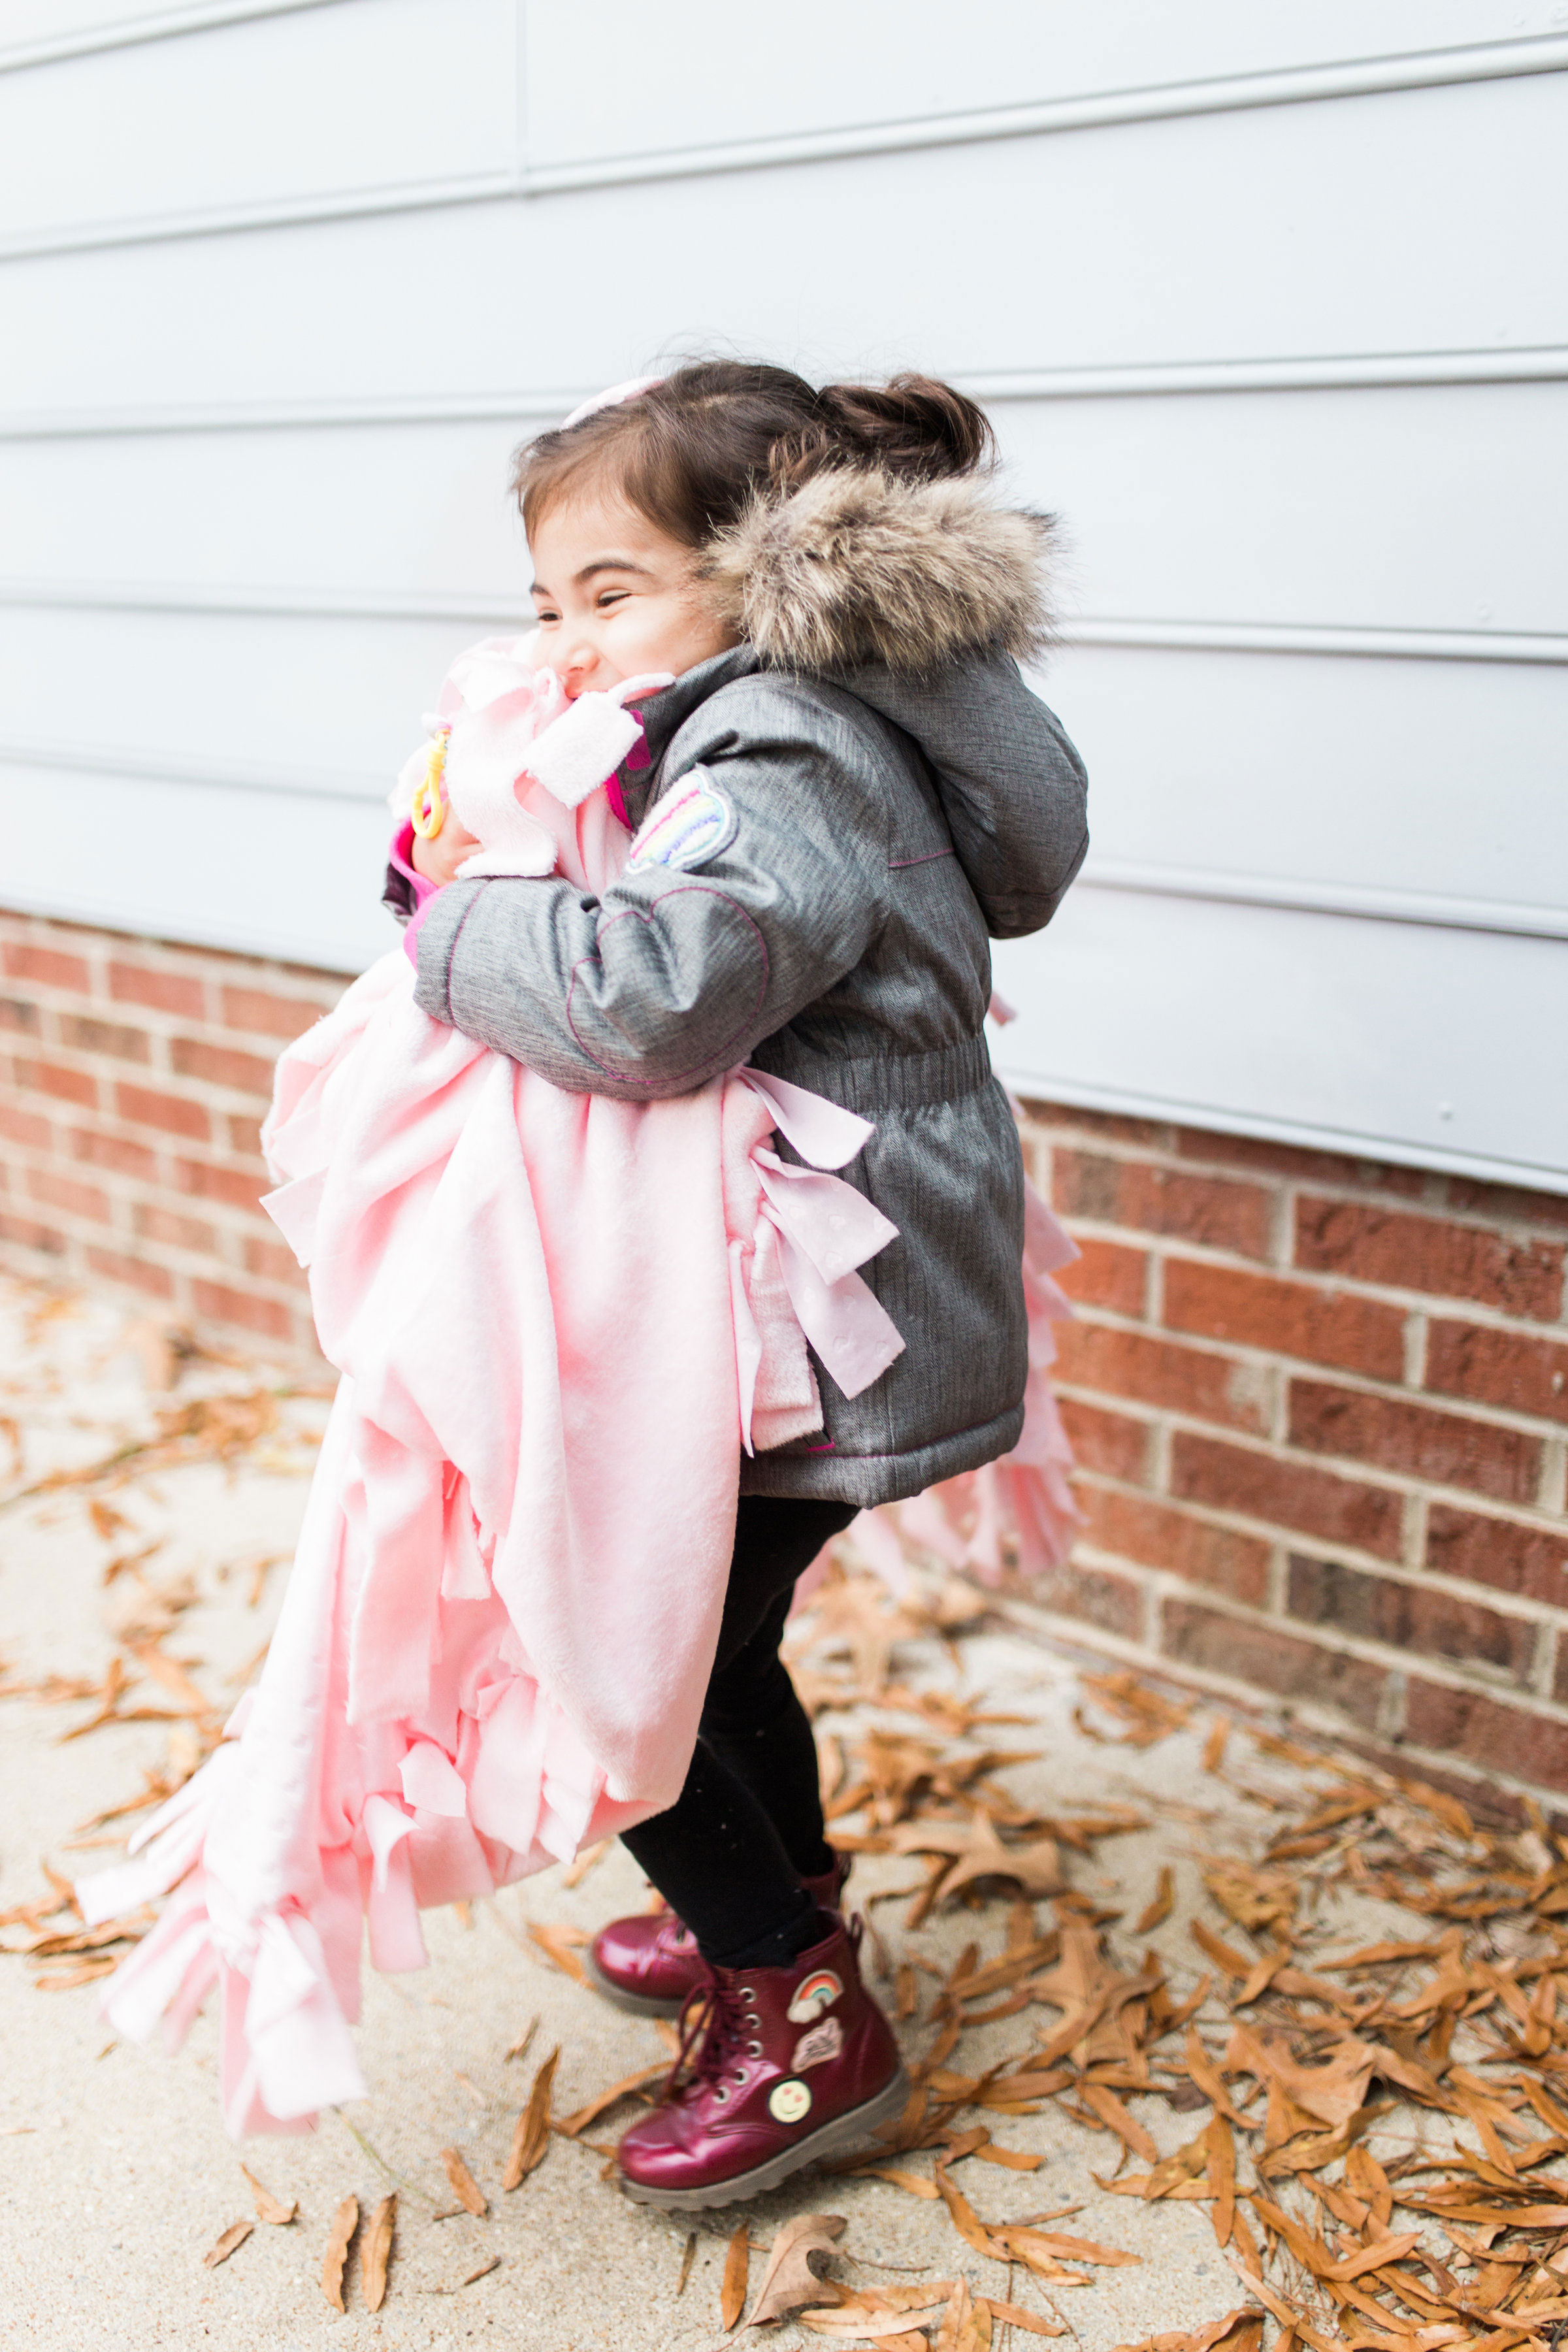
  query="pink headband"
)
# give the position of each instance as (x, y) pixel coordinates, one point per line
(617, 393)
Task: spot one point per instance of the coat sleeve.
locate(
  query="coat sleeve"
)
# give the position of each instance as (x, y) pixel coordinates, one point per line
(675, 974)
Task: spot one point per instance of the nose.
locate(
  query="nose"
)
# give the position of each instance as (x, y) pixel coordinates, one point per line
(576, 666)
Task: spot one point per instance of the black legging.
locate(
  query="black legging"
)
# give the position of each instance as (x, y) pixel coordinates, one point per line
(730, 1854)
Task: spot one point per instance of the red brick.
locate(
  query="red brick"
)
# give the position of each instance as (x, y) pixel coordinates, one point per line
(19, 1016)
(59, 1191)
(86, 1037)
(269, 1016)
(1288, 1319)
(53, 1079)
(45, 967)
(1365, 1244)
(28, 1236)
(166, 1226)
(160, 992)
(1111, 1443)
(1155, 1535)
(1500, 1552)
(1488, 1732)
(1507, 1200)
(1095, 1596)
(1212, 1210)
(1290, 1494)
(207, 1182)
(1267, 1159)
(1443, 1448)
(1409, 1616)
(1110, 1124)
(1560, 1677)
(1512, 1369)
(1104, 1273)
(116, 1151)
(1161, 1372)
(221, 1066)
(134, 1271)
(220, 1303)
(173, 1113)
(1275, 1660)
(245, 1137)
(273, 1262)
(24, 1129)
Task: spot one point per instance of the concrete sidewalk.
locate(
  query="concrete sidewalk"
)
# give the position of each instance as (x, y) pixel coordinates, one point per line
(116, 2174)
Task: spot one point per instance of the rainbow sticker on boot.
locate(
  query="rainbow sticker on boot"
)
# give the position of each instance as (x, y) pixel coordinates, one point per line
(816, 2048)
(789, 2101)
(813, 1995)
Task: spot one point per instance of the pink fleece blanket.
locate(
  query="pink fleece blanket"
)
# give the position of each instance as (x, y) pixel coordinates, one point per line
(558, 1318)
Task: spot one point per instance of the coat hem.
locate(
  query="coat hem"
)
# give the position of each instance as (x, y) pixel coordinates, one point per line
(867, 1479)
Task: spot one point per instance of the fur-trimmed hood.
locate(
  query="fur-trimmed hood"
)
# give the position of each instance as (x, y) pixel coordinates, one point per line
(857, 567)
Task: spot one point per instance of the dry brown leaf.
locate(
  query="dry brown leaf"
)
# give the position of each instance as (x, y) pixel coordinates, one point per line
(531, 2138)
(792, 2281)
(957, 2332)
(1013, 2314)
(1163, 1902)
(569, 2127)
(1073, 2250)
(1222, 2176)
(345, 2222)
(687, 2259)
(376, 2252)
(1172, 2171)
(965, 2220)
(234, 2235)
(737, 2270)
(1213, 1745)
(558, 1945)
(483, 2271)
(268, 2207)
(1105, 2104)
(978, 1853)
(465, 2188)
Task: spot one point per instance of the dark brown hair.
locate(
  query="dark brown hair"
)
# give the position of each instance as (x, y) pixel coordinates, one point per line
(694, 451)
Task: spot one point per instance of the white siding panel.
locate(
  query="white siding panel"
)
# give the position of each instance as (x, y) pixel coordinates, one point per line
(333, 703)
(1111, 247)
(177, 862)
(1325, 508)
(394, 508)
(1439, 508)
(768, 74)
(1382, 1036)
(306, 105)
(1446, 780)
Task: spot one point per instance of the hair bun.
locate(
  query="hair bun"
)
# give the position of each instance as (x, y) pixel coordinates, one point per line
(912, 427)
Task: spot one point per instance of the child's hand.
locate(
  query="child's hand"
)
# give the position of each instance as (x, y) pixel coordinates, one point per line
(439, 859)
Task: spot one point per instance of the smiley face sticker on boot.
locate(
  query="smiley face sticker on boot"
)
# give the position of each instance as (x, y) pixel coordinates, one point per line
(813, 1995)
(789, 2101)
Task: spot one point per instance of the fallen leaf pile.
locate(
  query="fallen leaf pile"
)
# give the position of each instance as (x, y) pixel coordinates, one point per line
(1375, 2129)
(1288, 2051)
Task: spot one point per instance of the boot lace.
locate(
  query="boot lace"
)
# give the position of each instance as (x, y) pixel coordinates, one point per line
(717, 2027)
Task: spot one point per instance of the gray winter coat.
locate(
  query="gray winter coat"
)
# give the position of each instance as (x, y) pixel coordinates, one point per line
(863, 832)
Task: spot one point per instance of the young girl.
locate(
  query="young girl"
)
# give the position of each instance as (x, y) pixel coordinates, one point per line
(842, 788)
(860, 789)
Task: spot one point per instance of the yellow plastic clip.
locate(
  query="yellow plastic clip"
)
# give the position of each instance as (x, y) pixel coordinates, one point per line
(429, 811)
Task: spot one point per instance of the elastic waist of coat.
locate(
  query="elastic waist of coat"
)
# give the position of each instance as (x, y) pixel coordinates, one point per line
(881, 1082)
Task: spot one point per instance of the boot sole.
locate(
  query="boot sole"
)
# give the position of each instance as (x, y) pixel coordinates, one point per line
(637, 2005)
(836, 2138)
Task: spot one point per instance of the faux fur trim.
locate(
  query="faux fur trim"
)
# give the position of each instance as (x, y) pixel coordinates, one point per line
(856, 567)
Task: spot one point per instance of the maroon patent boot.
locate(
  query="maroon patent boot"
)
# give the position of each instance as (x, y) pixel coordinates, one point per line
(650, 1962)
(786, 2066)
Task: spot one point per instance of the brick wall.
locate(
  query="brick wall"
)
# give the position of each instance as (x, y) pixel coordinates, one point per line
(1321, 1411)
(1321, 1407)
(134, 1079)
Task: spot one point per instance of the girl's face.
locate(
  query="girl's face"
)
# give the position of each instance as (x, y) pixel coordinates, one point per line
(615, 597)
